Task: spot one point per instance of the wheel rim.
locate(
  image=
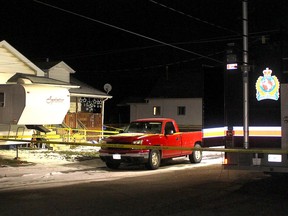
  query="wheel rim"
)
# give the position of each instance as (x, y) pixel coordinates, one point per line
(154, 159)
(197, 155)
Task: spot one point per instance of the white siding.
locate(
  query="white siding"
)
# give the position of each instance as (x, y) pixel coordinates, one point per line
(59, 73)
(75, 106)
(169, 107)
(5, 76)
(10, 65)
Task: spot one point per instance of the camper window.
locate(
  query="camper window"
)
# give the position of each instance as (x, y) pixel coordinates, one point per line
(1, 99)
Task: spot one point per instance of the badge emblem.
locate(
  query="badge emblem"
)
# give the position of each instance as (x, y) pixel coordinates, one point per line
(267, 86)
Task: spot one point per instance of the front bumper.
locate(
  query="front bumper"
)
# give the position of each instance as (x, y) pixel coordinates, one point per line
(128, 157)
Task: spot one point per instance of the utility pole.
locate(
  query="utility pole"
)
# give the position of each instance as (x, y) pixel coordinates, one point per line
(245, 69)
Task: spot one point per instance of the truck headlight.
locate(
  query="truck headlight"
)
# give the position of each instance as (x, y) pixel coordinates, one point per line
(137, 142)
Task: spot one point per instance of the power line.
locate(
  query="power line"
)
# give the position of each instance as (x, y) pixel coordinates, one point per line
(127, 31)
(195, 18)
(132, 49)
(158, 65)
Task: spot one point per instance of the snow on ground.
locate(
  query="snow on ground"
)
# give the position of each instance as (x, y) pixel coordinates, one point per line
(43, 156)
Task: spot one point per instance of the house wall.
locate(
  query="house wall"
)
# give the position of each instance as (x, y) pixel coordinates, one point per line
(5, 76)
(75, 105)
(12, 62)
(169, 106)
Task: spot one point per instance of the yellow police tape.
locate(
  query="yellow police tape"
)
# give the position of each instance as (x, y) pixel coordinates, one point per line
(115, 130)
(129, 146)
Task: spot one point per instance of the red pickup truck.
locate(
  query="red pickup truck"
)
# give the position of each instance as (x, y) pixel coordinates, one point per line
(151, 132)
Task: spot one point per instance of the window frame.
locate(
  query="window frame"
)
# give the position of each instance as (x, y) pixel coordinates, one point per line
(181, 110)
(156, 110)
(2, 99)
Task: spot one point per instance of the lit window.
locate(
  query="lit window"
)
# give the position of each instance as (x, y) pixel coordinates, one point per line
(156, 110)
(2, 99)
(181, 110)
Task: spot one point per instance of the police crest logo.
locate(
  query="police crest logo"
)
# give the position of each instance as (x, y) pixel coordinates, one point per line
(267, 86)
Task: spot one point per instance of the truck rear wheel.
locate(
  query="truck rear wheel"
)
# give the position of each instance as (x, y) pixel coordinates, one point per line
(196, 156)
(153, 160)
(112, 165)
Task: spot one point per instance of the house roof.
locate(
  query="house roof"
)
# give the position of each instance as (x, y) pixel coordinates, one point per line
(179, 84)
(130, 100)
(83, 89)
(25, 78)
(86, 90)
(47, 65)
(76, 87)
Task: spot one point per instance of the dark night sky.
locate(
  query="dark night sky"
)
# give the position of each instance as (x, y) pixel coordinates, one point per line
(69, 30)
(40, 31)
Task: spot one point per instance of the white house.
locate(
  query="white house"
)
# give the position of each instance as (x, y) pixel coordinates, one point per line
(177, 96)
(186, 111)
(16, 70)
(87, 104)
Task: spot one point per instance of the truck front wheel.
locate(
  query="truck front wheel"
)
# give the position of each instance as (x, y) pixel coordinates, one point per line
(196, 156)
(153, 160)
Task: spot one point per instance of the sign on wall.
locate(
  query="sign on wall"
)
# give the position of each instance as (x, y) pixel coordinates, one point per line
(267, 86)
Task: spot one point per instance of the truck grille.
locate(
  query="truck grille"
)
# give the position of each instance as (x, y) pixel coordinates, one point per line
(120, 143)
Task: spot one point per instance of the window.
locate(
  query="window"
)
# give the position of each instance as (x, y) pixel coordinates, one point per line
(169, 127)
(144, 127)
(156, 110)
(181, 110)
(2, 99)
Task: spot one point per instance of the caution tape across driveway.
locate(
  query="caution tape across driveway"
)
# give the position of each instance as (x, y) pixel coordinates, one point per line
(229, 150)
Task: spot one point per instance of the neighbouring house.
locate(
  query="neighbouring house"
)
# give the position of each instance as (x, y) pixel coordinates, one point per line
(177, 96)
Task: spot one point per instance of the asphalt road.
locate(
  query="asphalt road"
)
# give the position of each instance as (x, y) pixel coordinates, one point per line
(177, 188)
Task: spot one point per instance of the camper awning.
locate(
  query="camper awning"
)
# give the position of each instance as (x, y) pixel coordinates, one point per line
(40, 128)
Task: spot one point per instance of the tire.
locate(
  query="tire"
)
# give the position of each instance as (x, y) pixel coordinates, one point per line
(113, 165)
(153, 160)
(196, 156)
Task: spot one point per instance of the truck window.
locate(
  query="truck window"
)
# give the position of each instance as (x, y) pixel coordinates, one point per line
(144, 127)
(169, 127)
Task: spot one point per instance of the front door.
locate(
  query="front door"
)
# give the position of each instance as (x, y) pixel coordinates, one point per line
(172, 139)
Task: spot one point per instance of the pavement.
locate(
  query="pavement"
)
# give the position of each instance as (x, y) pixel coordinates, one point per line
(61, 172)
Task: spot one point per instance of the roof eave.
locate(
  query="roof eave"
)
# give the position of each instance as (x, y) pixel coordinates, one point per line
(90, 95)
(55, 85)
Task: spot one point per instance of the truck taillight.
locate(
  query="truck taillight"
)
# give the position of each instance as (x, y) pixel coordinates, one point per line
(225, 161)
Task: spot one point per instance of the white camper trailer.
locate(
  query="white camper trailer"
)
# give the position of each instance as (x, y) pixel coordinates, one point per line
(26, 105)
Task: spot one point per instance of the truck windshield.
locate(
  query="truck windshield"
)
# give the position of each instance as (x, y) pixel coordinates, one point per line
(144, 127)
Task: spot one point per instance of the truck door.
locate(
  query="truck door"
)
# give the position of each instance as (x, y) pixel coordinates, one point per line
(171, 139)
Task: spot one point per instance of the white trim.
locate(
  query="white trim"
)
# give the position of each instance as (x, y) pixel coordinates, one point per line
(90, 95)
